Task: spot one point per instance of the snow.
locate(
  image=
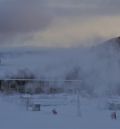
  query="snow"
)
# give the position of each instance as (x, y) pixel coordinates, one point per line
(15, 116)
(99, 68)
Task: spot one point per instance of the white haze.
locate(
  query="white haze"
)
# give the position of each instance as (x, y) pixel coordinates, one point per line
(99, 65)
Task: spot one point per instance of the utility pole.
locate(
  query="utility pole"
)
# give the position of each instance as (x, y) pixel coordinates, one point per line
(78, 102)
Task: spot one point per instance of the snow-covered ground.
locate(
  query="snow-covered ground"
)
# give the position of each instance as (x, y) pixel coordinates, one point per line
(13, 115)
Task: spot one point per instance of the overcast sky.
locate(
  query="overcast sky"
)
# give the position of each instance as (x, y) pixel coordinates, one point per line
(57, 22)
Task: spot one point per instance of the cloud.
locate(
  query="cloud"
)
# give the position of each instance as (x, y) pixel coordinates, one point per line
(85, 7)
(70, 32)
(43, 20)
(19, 16)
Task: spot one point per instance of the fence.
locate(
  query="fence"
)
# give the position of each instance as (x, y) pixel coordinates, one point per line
(37, 86)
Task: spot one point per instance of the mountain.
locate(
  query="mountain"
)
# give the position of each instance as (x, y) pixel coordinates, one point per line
(104, 66)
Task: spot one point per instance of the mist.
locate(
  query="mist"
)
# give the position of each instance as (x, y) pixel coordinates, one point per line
(98, 66)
